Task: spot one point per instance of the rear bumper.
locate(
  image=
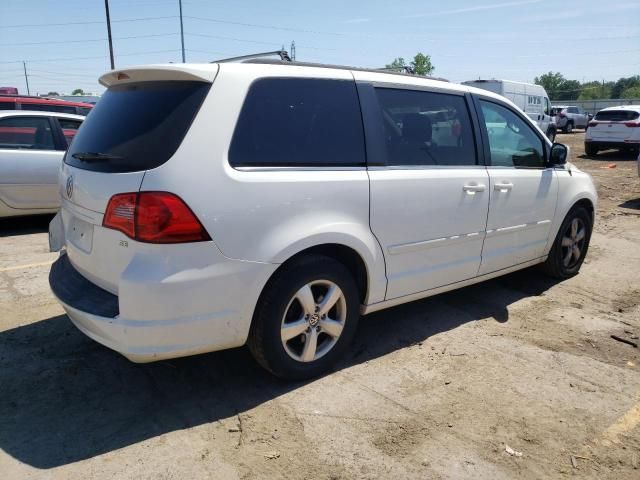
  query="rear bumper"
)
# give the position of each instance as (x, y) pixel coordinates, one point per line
(100, 314)
(612, 144)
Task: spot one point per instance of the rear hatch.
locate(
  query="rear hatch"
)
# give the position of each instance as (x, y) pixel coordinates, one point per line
(138, 125)
(614, 125)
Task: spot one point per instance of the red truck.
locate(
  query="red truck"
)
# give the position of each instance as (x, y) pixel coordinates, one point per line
(23, 102)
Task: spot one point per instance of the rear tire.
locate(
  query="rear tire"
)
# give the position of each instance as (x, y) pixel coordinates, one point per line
(590, 149)
(568, 128)
(570, 245)
(293, 335)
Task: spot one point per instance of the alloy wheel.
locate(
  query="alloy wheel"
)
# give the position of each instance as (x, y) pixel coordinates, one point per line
(573, 242)
(313, 320)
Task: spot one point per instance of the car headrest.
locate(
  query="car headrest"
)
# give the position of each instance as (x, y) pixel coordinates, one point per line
(416, 128)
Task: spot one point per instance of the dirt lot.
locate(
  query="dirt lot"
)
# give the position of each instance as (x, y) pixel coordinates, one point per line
(435, 389)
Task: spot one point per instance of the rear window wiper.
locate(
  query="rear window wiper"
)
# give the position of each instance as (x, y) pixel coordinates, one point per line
(95, 156)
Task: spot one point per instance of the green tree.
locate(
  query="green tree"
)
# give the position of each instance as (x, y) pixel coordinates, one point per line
(623, 84)
(569, 90)
(595, 90)
(52, 93)
(631, 92)
(78, 91)
(552, 83)
(422, 64)
(397, 64)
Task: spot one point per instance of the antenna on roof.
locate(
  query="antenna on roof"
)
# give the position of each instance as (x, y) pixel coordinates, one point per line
(283, 54)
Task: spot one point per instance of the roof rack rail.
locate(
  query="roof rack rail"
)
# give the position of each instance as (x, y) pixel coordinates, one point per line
(296, 63)
(283, 54)
(405, 68)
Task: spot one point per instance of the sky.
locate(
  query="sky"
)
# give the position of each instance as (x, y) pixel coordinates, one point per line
(63, 42)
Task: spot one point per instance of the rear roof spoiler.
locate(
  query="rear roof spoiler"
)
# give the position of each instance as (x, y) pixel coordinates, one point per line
(168, 72)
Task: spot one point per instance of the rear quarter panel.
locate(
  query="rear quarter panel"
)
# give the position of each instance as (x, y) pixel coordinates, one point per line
(262, 214)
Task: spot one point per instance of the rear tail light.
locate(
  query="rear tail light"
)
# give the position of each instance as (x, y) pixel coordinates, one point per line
(632, 124)
(154, 217)
(120, 213)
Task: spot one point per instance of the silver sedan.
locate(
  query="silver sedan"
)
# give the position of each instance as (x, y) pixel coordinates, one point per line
(32, 145)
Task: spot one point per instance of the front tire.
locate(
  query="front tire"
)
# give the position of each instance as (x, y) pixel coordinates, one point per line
(305, 318)
(568, 128)
(571, 244)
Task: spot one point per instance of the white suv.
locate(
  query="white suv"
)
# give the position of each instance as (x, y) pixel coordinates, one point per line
(268, 203)
(614, 127)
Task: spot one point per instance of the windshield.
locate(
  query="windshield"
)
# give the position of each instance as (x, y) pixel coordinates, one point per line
(136, 126)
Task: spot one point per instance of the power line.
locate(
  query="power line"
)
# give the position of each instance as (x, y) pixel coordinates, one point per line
(91, 58)
(272, 27)
(219, 37)
(211, 52)
(66, 74)
(142, 19)
(87, 40)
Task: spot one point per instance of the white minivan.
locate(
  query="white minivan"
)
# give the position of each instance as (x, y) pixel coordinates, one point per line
(272, 203)
(532, 99)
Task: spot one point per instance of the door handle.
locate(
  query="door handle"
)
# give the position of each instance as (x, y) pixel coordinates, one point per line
(503, 187)
(473, 189)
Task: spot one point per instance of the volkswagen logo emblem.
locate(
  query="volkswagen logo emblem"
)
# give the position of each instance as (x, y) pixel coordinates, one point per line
(69, 186)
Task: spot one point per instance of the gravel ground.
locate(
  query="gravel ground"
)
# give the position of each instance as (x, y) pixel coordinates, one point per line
(516, 377)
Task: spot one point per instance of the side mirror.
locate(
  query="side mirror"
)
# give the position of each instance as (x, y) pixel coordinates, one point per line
(559, 154)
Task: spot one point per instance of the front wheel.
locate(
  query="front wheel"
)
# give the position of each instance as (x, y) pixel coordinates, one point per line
(571, 244)
(305, 318)
(568, 128)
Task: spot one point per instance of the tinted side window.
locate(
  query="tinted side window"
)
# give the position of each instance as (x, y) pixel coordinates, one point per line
(44, 107)
(513, 143)
(299, 122)
(426, 128)
(26, 132)
(69, 128)
(7, 106)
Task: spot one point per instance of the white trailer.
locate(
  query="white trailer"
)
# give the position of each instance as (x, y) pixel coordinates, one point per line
(530, 98)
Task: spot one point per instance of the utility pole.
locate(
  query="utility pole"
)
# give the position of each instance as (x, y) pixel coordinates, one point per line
(181, 30)
(26, 77)
(106, 7)
(293, 50)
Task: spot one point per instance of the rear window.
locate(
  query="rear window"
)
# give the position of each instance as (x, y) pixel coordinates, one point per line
(299, 122)
(137, 126)
(617, 115)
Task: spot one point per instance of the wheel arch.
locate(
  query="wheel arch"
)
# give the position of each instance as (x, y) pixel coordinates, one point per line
(344, 254)
(582, 201)
(586, 204)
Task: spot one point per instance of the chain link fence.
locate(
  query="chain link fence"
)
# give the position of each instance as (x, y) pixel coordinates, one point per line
(593, 106)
